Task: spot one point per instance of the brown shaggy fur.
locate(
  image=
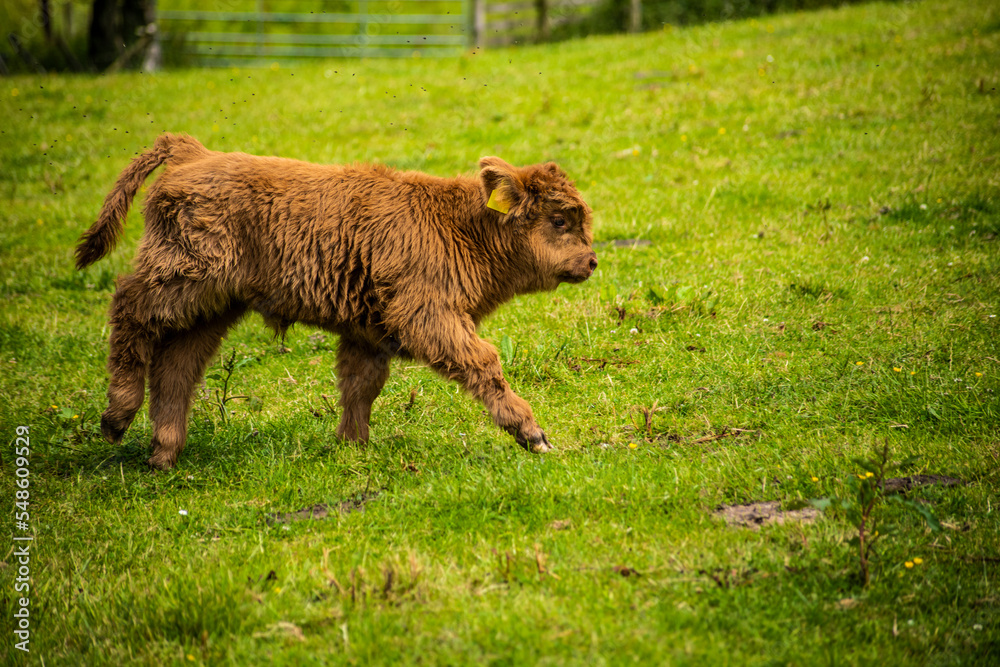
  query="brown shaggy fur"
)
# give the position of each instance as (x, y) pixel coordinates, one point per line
(396, 263)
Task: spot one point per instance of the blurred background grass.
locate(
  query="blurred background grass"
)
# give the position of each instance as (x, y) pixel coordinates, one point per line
(796, 219)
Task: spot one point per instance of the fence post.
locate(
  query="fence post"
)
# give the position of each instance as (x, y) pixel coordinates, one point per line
(635, 16)
(477, 38)
(259, 29)
(363, 27)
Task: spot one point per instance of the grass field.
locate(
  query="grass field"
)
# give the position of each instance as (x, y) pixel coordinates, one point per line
(812, 204)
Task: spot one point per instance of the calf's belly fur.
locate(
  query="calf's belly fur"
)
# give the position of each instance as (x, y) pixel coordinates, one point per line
(396, 263)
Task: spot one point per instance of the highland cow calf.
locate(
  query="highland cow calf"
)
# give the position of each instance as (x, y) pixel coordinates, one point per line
(396, 263)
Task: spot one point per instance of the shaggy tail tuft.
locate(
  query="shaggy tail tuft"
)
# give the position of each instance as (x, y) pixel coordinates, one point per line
(102, 237)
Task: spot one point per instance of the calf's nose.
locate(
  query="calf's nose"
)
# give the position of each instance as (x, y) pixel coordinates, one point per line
(593, 262)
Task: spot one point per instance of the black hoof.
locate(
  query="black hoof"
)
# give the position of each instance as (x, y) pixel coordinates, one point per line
(113, 431)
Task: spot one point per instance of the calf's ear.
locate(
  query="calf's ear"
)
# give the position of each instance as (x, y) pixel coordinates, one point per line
(504, 179)
(554, 169)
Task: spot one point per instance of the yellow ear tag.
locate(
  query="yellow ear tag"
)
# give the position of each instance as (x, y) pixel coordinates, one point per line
(497, 202)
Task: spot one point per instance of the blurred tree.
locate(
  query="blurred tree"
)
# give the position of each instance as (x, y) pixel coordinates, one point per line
(46, 9)
(105, 38)
(122, 32)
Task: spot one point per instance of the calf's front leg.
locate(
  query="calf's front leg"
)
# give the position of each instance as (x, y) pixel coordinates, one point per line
(361, 373)
(449, 344)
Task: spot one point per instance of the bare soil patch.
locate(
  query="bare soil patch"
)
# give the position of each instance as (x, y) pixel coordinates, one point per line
(323, 510)
(756, 515)
(903, 484)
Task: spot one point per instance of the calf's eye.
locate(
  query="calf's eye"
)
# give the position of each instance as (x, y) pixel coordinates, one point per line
(558, 222)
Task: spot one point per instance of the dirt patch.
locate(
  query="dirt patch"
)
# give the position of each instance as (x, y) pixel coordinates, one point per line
(281, 630)
(903, 484)
(625, 571)
(761, 514)
(323, 510)
(756, 515)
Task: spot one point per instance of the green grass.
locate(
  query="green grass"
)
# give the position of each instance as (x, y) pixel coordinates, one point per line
(822, 206)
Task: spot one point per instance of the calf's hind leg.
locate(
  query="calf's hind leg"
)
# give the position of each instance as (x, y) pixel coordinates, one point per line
(178, 364)
(131, 347)
(361, 373)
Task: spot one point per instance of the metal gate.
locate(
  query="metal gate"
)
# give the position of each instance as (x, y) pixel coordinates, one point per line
(360, 29)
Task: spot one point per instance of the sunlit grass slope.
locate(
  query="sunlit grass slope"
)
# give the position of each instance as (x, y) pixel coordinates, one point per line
(797, 226)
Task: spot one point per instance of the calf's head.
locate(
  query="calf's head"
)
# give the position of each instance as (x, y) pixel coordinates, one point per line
(548, 217)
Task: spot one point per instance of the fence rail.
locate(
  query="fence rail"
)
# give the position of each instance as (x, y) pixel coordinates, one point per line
(302, 18)
(525, 21)
(376, 28)
(359, 28)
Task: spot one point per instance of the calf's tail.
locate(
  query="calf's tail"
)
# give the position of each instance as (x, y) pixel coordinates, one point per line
(103, 235)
